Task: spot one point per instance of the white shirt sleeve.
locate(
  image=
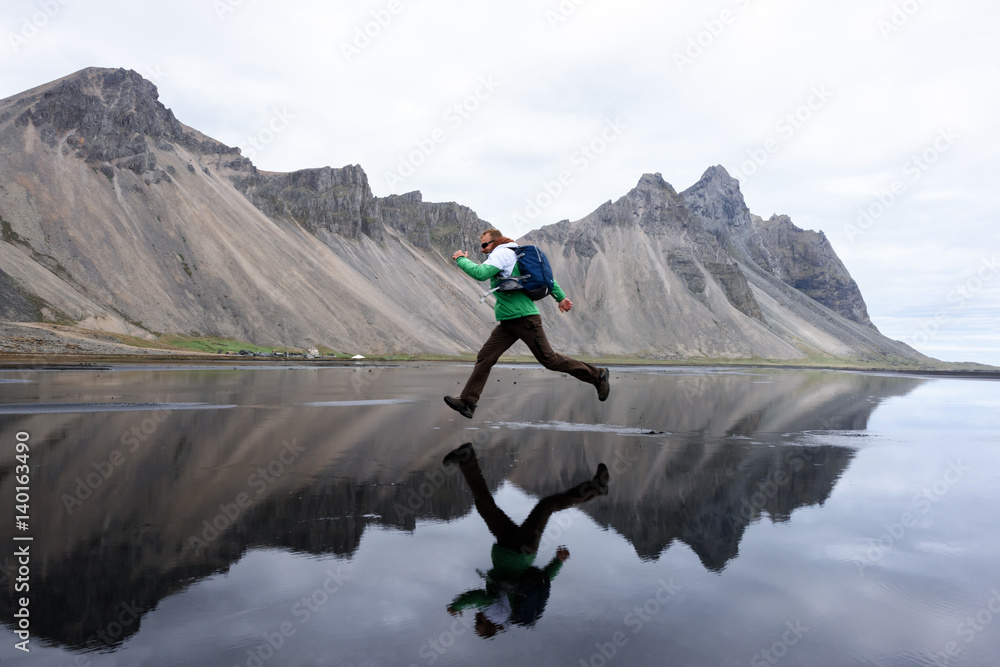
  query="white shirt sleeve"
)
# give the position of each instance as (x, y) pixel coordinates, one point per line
(499, 611)
(504, 259)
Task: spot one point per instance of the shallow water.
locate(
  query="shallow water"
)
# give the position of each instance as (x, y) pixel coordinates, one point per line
(302, 516)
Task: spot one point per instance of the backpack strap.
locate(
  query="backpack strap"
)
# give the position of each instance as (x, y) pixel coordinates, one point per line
(504, 284)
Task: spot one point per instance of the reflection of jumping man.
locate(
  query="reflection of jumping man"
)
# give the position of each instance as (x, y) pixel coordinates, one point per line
(515, 589)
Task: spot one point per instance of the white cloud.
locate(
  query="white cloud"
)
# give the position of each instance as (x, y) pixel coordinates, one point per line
(226, 72)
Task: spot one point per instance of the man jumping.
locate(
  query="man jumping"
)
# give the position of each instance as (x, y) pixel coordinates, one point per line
(518, 319)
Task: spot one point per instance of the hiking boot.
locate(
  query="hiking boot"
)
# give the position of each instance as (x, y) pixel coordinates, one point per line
(461, 455)
(603, 385)
(462, 406)
(601, 479)
(598, 486)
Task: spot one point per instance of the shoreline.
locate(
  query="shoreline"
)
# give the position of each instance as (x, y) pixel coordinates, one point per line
(91, 361)
(46, 346)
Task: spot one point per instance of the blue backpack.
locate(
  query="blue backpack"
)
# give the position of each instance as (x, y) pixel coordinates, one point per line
(535, 277)
(528, 597)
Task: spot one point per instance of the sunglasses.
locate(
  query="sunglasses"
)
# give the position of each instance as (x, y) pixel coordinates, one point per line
(483, 245)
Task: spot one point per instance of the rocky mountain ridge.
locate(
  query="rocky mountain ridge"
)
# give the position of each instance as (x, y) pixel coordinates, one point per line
(118, 217)
(723, 282)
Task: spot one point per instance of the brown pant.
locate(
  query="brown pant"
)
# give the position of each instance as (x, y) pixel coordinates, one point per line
(526, 537)
(529, 329)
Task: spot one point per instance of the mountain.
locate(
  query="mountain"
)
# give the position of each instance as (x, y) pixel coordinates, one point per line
(117, 217)
(695, 274)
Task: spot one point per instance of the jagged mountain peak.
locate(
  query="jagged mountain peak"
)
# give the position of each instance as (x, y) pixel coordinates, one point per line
(111, 80)
(107, 82)
(717, 199)
(717, 173)
(652, 204)
(99, 100)
(654, 181)
(108, 117)
(706, 241)
(651, 186)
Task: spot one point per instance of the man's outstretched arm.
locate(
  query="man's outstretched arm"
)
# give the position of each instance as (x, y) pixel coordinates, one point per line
(477, 271)
(564, 303)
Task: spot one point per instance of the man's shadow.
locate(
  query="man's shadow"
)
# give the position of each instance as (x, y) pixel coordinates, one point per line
(515, 589)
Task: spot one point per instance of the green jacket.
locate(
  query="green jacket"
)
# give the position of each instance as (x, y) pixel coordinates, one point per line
(509, 305)
(507, 566)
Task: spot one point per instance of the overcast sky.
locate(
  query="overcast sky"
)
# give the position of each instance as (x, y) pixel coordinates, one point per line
(872, 120)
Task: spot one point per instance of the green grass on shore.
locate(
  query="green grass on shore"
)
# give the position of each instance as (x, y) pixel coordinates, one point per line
(212, 345)
(175, 343)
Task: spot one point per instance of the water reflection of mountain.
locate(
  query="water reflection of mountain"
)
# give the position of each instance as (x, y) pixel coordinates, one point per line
(709, 483)
(710, 508)
(203, 487)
